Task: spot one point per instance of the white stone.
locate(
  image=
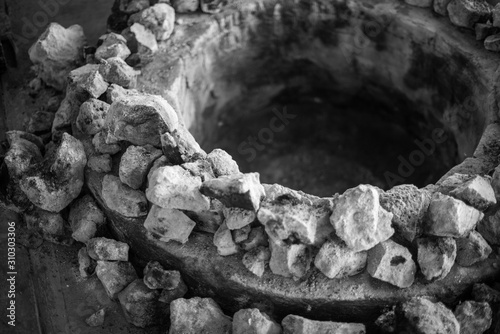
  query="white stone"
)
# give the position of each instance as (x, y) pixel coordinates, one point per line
(336, 260)
(224, 242)
(436, 257)
(169, 224)
(236, 218)
(476, 192)
(160, 19)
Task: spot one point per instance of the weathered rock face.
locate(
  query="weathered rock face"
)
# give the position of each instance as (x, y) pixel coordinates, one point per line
(289, 260)
(336, 260)
(123, 199)
(419, 315)
(107, 249)
(473, 317)
(160, 19)
(86, 265)
(185, 6)
(93, 83)
(113, 45)
(84, 218)
(59, 180)
(252, 321)
(299, 325)
(133, 6)
(241, 234)
(21, 156)
(56, 52)
(257, 237)
(359, 220)
(115, 276)
(224, 242)
(169, 224)
(179, 146)
(198, 315)
(141, 119)
(100, 145)
(101, 163)
(489, 228)
(91, 117)
(436, 256)
(40, 121)
(176, 291)
(465, 13)
(201, 168)
(472, 249)
(116, 71)
(476, 192)
(138, 36)
(135, 164)
(222, 163)
(156, 277)
(256, 260)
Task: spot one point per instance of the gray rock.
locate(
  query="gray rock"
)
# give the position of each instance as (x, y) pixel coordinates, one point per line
(185, 6)
(495, 182)
(156, 277)
(116, 71)
(169, 224)
(289, 260)
(14, 135)
(91, 117)
(21, 156)
(252, 321)
(476, 192)
(436, 256)
(160, 19)
(294, 324)
(107, 249)
(179, 146)
(101, 163)
(420, 3)
(224, 242)
(419, 315)
(222, 163)
(115, 276)
(123, 199)
(116, 92)
(208, 220)
(178, 291)
(452, 182)
(489, 228)
(68, 110)
(133, 6)
(100, 145)
(212, 6)
(135, 164)
(198, 315)
(96, 319)
(492, 43)
(86, 265)
(93, 83)
(336, 260)
(144, 38)
(85, 218)
(484, 30)
(53, 103)
(465, 13)
(113, 45)
(241, 234)
(40, 121)
(472, 249)
(473, 317)
(257, 237)
(201, 168)
(255, 260)
(236, 218)
(441, 7)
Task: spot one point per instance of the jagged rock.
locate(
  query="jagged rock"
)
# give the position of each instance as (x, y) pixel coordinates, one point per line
(275, 191)
(185, 6)
(84, 218)
(419, 315)
(116, 92)
(179, 146)
(436, 256)
(140, 119)
(141, 306)
(123, 199)
(489, 228)
(56, 52)
(135, 164)
(101, 163)
(201, 168)
(359, 220)
(113, 45)
(208, 220)
(93, 83)
(115, 276)
(257, 237)
(241, 234)
(169, 224)
(91, 117)
(107, 249)
(420, 3)
(40, 121)
(224, 242)
(22, 155)
(473, 317)
(99, 142)
(178, 290)
(59, 179)
(212, 6)
(144, 38)
(299, 325)
(116, 70)
(452, 182)
(392, 263)
(86, 265)
(222, 163)
(96, 319)
(252, 321)
(172, 187)
(441, 7)
(237, 190)
(198, 315)
(408, 204)
(256, 259)
(483, 293)
(449, 217)
(476, 192)
(336, 260)
(160, 19)
(236, 218)
(289, 260)
(465, 13)
(472, 249)
(156, 277)
(133, 6)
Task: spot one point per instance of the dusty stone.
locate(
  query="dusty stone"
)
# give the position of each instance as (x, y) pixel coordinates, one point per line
(392, 263)
(101, 163)
(212, 6)
(60, 178)
(255, 260)
(99, 142)
(133, 6)
(93, 83)
(135, 164)
(185, 6)
(56, 52)
(96, 319)
(489, 228)
(144, 39)
(449, 217)
(294, 324)
(91, 117)
(252, 321)
(113, 45)
(472, 249)
(178, 291)
(22, 155)
(476, 192)
(257, 237)
(359, 220)
(140, 119)
(172, 187)
(169, 224)
(160, 19)
(408, 204)
(116, 92)
(41, 121)
(436, 256)
(179, 146)
(420, 3)
(115, 276)
(336, 260)
(115, 70)
(465, 13)
(441, 7)
(156, 277)
(419, 315)
(492, 43)
(473, 317)
(222, 163)
(107, 249)
(84, 218)
(237, 190)
(86, 265)
(201, 168)
(123, 199)
(198, 315)
(224, 242)
(289, 260)
(241, 234)
(236, 218)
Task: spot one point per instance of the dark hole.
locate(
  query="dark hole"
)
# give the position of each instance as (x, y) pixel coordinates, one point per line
(397, 260)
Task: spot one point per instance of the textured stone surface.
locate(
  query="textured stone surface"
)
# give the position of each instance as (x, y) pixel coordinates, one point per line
(185, 6)
(252, 321)
(201, 168)
(133, 6)
(51, 225)
(294, 324)
(169, 224)
(236, 218)
(472, 249)
(256, 259)
(160, 19)
(144, 38)
(113, 45)
(116, 71)
(289, 260)
(91, 117)
(476, 192)
(465, 13)
(100, 163)
(436, 256)
(107, 249)
(101, 146)
(198, 315)
(84, 218)
(336, 260)
(22, 155)
(473, 317)
(257, 237)
(222, 163)
(359, 220)
(86, 265)
(135, 164)
(96, 319)
(241, 234)
(115, 276)
(489, 228)
(179, 146)
(156, 277)
(495, 182)
(178, 291)
(224, 242)
(419, 315)
(123, 199)
(93, 83)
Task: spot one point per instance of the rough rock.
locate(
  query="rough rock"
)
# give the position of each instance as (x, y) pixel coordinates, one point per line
(436, 256)
(116, 92)
(198, 315)
(177, 291)
(84, 218)
(141, 306)
(359, 220)
(116, 71)
(275, 191)
(40, 121)
(133, 6)
(22, 155)
(107, 249)
(96, 319)
(68, 111)
(408, 204)
(237, 190)
(452, 182)
(208, 220)
(441, 7)
(419, 315)
(289, 260)
(336, 260)
(495, 182)
(140, 119)
(449, 217)
(123, 199)
(86, 265)
(222, 163)
(257, 237)
(172, 187)
(179, 146)
(294, 324)
(113, 45)
(201, 168)
(160, 19)
(392, 263)
(420, 3)
(93, 83)
(236, 218)
(143, 38)
(56, 52)
(256, 259)
(100, 145)
(49, 225)
(473, 317)
(241, 234)
(252, 321)
(169, 224)
(476, 192)
(489, 228)
(101, 163)
(59, 179)
(472, 249)
(224, 242)
(135, 164)
(91, 117)
(156, 277)
(465, 13)
(185, 6)
(115, 276)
